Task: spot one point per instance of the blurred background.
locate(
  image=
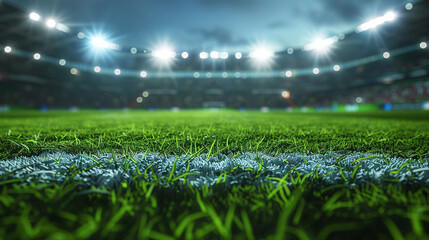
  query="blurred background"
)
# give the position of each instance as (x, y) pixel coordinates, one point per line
(363, 55)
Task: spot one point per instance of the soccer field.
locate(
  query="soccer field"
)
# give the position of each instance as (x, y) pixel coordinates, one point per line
(204, 174)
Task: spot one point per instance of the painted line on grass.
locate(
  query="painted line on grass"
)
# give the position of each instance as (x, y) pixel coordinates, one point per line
(354, 169)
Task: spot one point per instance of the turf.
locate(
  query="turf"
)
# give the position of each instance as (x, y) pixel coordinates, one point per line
(162, 209)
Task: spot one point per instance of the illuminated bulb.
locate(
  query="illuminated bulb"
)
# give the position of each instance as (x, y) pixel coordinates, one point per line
(290, 50)
(224, 75)
(81, 35)
(288, 74)
(143, 74)
(133, 50)
(316, 71)
(7, 49)
(74, 71)
(337, 68)
(409, 6)
(145, 94)
(423, 45)
(286, 94)
(62, 62)
(204, 55)
(196, 74)
(223, 55)
(117, 72)
(35, 16)
(97, 69)
(214, 55)
(386, 55)
(51, 23)
(185, 55)
(238, 55)
(37, 56)
(139, 100)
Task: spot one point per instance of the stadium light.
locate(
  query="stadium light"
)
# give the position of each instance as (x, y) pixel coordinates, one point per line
(37, 56)
(99, 42)
(214, 55)
(321, 44)
(185, 55)
(388, 17)
(97, 69)
(286, 94)
(224, 75)
(238, 55)
(288, 74)
(223, 55)
(386, 55)
(143, 74)
(117, 72)
(261, 54)
(204, 55)
(409, 6)
(423, 45)
(164, 54)
(81, 35)
(139, 100)
(316, 71)
(133, 50)
(145, 94)
(7, 49)
(196, 74)
(34, 16)
(63, 28)
(74, 71)
(51, 23)
(290, 51)
(337, 68)
(62, 62)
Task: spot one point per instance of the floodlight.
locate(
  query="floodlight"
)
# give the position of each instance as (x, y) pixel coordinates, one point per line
(7, 49)
(316, 71)
(81, 35)
(117, 72)
(288, 73)
(409, 6)
(286, 94)
(74, 71)
(321, 44)
(337, 68)
(238, 55)
(97, 69)
(37, 56)
(63, 28)
(423, 45)
(204, 55)
(62, 62)
(261, 54)
(290, 50)
(224, 75)
(51, 23)
(223, 55)
(196, 74)
(386, 55)
(185, 55)
(35, 16)
(388, 17)
(164, 54)
(143, 74)
(145, 94)
(214, 55)
(133, 50)
(99, 42)
(139, 100)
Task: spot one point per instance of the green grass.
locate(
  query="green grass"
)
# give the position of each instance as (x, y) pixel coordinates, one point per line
(149, 210)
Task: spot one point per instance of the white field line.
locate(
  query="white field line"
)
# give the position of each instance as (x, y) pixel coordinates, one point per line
(353, 169)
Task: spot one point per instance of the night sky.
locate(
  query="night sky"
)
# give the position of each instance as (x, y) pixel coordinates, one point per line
(212, 24)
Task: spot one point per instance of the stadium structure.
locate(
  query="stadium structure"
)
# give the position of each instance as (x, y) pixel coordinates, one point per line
(320, 140)
(358, 67)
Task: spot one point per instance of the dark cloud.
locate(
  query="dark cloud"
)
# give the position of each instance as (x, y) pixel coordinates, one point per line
(218, 35)
(277, 24)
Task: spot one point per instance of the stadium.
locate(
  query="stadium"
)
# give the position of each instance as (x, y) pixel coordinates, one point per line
(214, 119)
